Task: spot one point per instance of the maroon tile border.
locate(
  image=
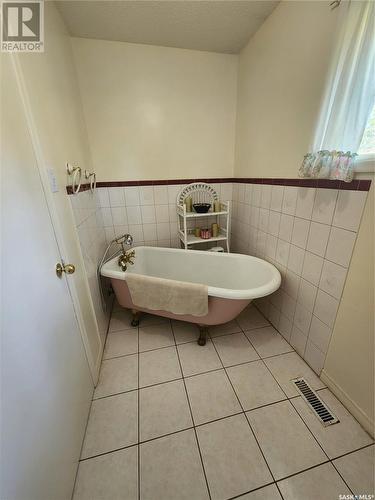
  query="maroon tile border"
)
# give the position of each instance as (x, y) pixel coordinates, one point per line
(355, 185)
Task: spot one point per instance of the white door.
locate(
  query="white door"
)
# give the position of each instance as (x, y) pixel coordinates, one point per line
(46, 386)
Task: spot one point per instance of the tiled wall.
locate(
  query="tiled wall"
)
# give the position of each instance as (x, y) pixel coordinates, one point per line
(309, 235)
(90, 228)
(148, 213)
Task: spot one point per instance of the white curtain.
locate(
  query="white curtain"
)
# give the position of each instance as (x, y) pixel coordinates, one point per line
(349, 96)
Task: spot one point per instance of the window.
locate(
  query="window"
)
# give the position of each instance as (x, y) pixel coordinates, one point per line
(367, 146)
(365, 161)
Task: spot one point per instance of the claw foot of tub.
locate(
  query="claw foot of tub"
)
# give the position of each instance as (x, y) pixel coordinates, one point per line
(203, 330)
(135, 319)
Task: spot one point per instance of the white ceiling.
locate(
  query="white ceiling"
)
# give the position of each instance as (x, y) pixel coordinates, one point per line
(217, 26)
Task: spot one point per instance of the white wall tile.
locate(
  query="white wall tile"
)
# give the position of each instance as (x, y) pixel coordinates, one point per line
(277, 194)
(285, 327)
(271, 244)
(305, 202)
(263, 219)
(298, 340)
(314, 357)
(307, 294)
(326, 308)
(119, 217)
(324, 205)
(241, 192)
(291, 284)
(340, 246)
(163, 231)
(109, 234)
(136, 230)
(103, 197)
(148, 214)
(227, 191)
(289, 306)
(161, 195)
(254, 216)
(173, 191)
(295, 261)
(312, 268)
(131, 196)
(149, 232)
(116, 197)
(256, 195)
(107, 217)
(286, 227)
(274, 222)
(320, 334)
(162, 213)
(318, 238)
(290, 200)
(265, 199)
(302, 319)
(172, 213)
(282, 252)
(349, 208)
(134, 215)
(300, 232)
(146, 195)
(248, 194)
(333, 279)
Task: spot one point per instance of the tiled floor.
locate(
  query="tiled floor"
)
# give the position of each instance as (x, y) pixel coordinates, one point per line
(173, 420)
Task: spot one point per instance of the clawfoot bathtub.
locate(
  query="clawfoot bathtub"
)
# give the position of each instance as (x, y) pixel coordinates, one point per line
(233, 280)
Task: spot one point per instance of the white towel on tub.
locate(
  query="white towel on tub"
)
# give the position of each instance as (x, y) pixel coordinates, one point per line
(177, 297)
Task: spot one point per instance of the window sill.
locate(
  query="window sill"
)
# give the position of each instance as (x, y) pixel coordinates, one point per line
(365, 164)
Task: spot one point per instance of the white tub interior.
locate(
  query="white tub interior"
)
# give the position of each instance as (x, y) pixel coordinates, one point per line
(227, 275)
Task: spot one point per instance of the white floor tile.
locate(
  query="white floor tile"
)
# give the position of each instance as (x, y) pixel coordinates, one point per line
(185, 332)
(254, 385)
(155, 336)
(251, 318)
(211, 396)
(198, 359)
(158, 366)
(335, 439)
(234, 349)
(121, 343)
(268, 342)
(120, 320)
(171, 469)
(232, 459)
(225, 329)
(117, 375)
(289, 366)
(109, 477)
(163, 409)
(113, 424)
(358, 470)
(323, 483)
(284, 439)
(267, 493)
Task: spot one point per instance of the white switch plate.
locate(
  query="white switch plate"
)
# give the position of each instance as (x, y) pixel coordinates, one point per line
(52, 180)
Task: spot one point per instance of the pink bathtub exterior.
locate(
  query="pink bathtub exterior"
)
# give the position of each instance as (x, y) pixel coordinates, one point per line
(220, 310)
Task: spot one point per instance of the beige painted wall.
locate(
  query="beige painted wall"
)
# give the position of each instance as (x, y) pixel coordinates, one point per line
(157, 112)
(52, 92)
(349, 367)
(281, 79)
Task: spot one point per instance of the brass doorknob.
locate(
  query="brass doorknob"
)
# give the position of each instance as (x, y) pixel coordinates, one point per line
(64, 268)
